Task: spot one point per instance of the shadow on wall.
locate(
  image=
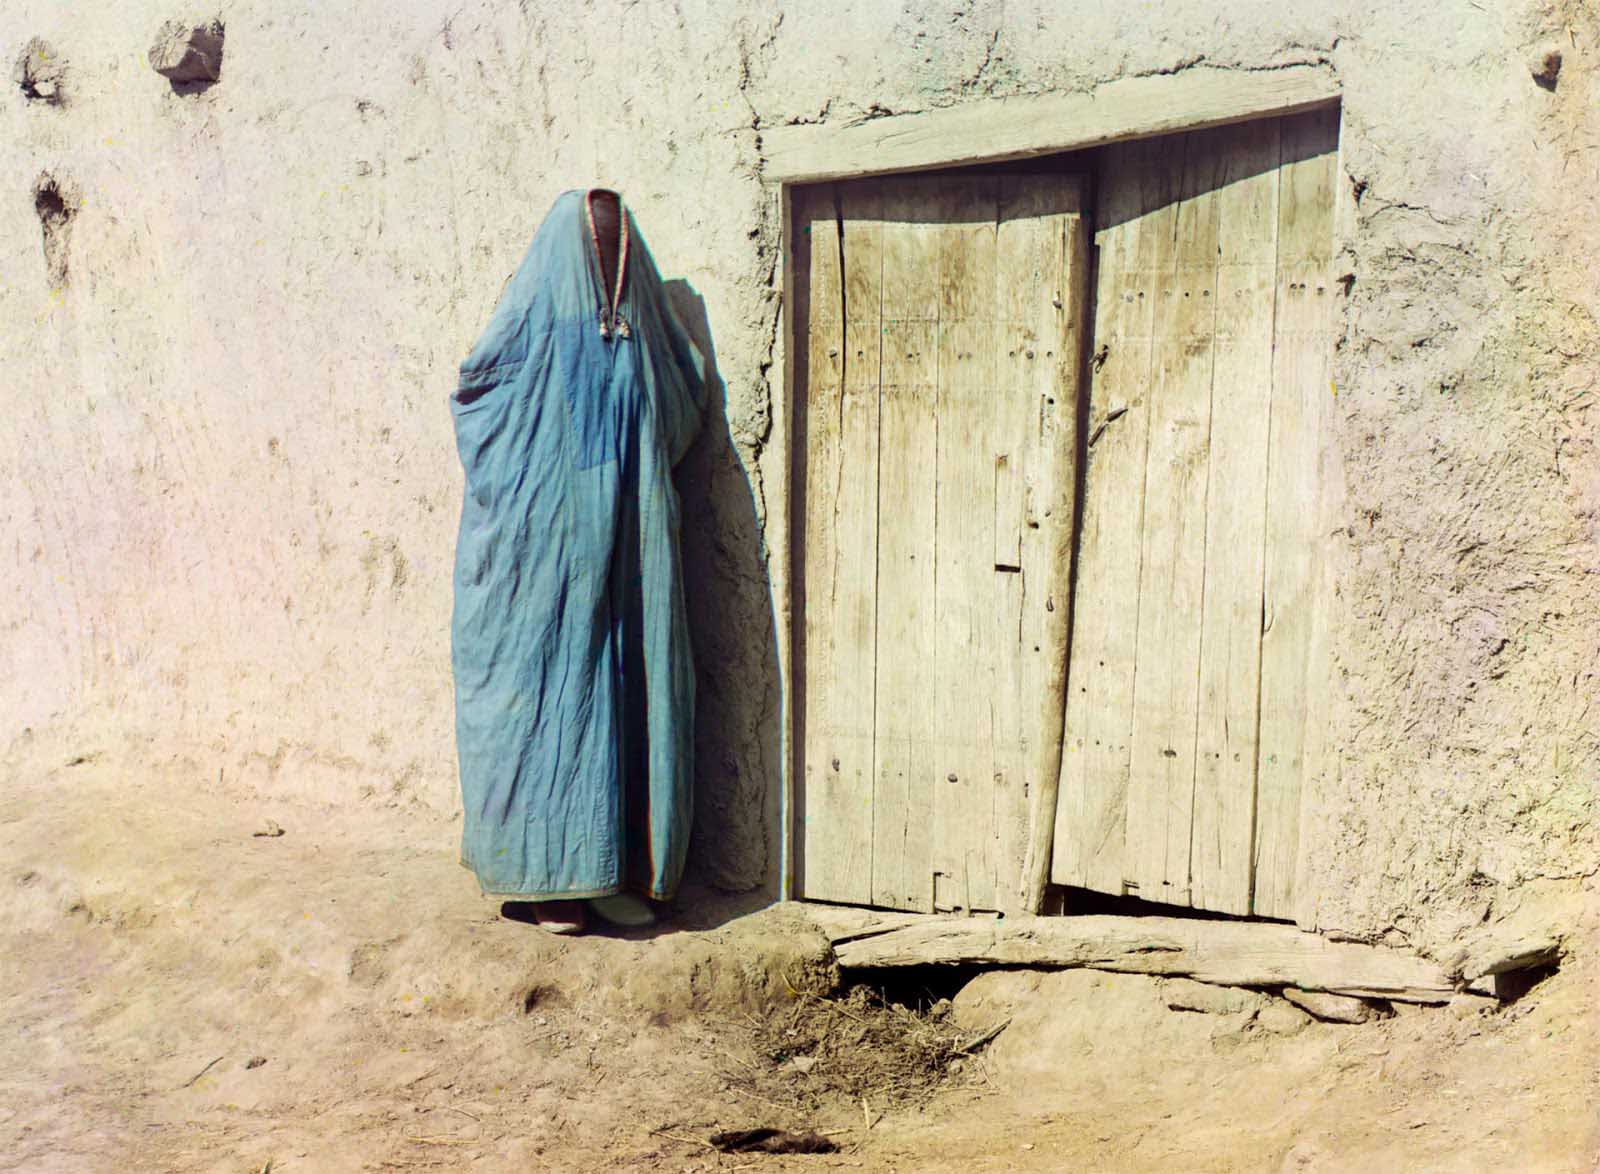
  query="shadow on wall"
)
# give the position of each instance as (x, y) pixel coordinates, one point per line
(735, 843)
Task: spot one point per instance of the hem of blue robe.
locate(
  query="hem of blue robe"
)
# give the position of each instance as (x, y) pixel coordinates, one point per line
(572, 894)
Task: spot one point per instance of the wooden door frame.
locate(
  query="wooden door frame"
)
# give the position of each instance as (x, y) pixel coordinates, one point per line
(994, 130)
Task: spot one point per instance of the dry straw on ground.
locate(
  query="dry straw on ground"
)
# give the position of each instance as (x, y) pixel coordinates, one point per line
(861, 1048)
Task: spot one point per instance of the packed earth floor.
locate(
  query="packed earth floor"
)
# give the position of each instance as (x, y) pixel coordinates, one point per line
(200, 979)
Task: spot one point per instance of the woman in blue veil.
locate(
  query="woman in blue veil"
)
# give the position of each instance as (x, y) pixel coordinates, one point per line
(569, 643)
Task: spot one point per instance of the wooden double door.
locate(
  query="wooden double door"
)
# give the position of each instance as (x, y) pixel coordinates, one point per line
(992, 690)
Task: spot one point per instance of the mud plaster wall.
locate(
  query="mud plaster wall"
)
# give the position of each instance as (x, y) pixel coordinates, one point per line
(228, 489)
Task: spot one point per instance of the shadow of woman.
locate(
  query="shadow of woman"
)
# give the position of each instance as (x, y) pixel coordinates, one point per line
(734, 854)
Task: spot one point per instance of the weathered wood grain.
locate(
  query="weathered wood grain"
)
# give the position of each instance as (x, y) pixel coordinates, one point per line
(1061, 314)
(902, 807)
(1291, 699)
(841, 523)
(1199, 631)
(1172, 540)
(966, 658)
(1028, 234)
(1016, 127)
(1230, 636)
(1228, 953)
(1136, 218)
(842, 923)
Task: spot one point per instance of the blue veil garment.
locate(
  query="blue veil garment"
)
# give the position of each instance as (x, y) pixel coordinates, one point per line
(569, 643)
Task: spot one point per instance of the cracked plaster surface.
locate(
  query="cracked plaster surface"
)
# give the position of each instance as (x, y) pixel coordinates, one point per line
(342, 212)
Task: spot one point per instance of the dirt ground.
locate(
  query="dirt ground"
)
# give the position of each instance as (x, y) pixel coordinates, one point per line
(184, 990)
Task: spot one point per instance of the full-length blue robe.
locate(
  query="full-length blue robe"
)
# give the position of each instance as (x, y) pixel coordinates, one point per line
(569, 643)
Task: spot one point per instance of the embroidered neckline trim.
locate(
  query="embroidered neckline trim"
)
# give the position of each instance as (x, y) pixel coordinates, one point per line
(611, 314)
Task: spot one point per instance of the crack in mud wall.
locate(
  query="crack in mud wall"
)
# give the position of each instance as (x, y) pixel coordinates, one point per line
(228, 522)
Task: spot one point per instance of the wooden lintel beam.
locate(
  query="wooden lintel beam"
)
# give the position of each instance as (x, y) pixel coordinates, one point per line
(997, 129)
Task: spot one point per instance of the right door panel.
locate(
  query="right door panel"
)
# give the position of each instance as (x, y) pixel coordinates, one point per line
(1192, 713)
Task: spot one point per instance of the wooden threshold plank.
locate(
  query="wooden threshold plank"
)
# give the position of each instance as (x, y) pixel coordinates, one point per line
(1229, 953)
(844, 923)
(1024, 125)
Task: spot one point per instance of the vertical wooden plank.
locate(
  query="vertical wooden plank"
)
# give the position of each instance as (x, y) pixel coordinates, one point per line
(1027, 255)
(1301, 389)
(1057, 505)
(783, 506)
(1322, 760)
(1135, 212)
(819, 345)
(903, 804)
(1230, 638)
(1172, 571)
(840, 543)
(1042, 253)
(965, 658)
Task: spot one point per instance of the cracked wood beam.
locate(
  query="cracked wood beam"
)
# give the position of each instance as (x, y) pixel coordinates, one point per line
(1225, 953)
(1014, 128)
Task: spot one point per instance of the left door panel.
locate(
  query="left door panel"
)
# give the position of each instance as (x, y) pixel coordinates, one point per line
(937, 335)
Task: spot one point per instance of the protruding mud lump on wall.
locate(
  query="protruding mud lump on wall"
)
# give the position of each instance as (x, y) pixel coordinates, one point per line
(184, 53)
(55, 206)
(38, 73)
